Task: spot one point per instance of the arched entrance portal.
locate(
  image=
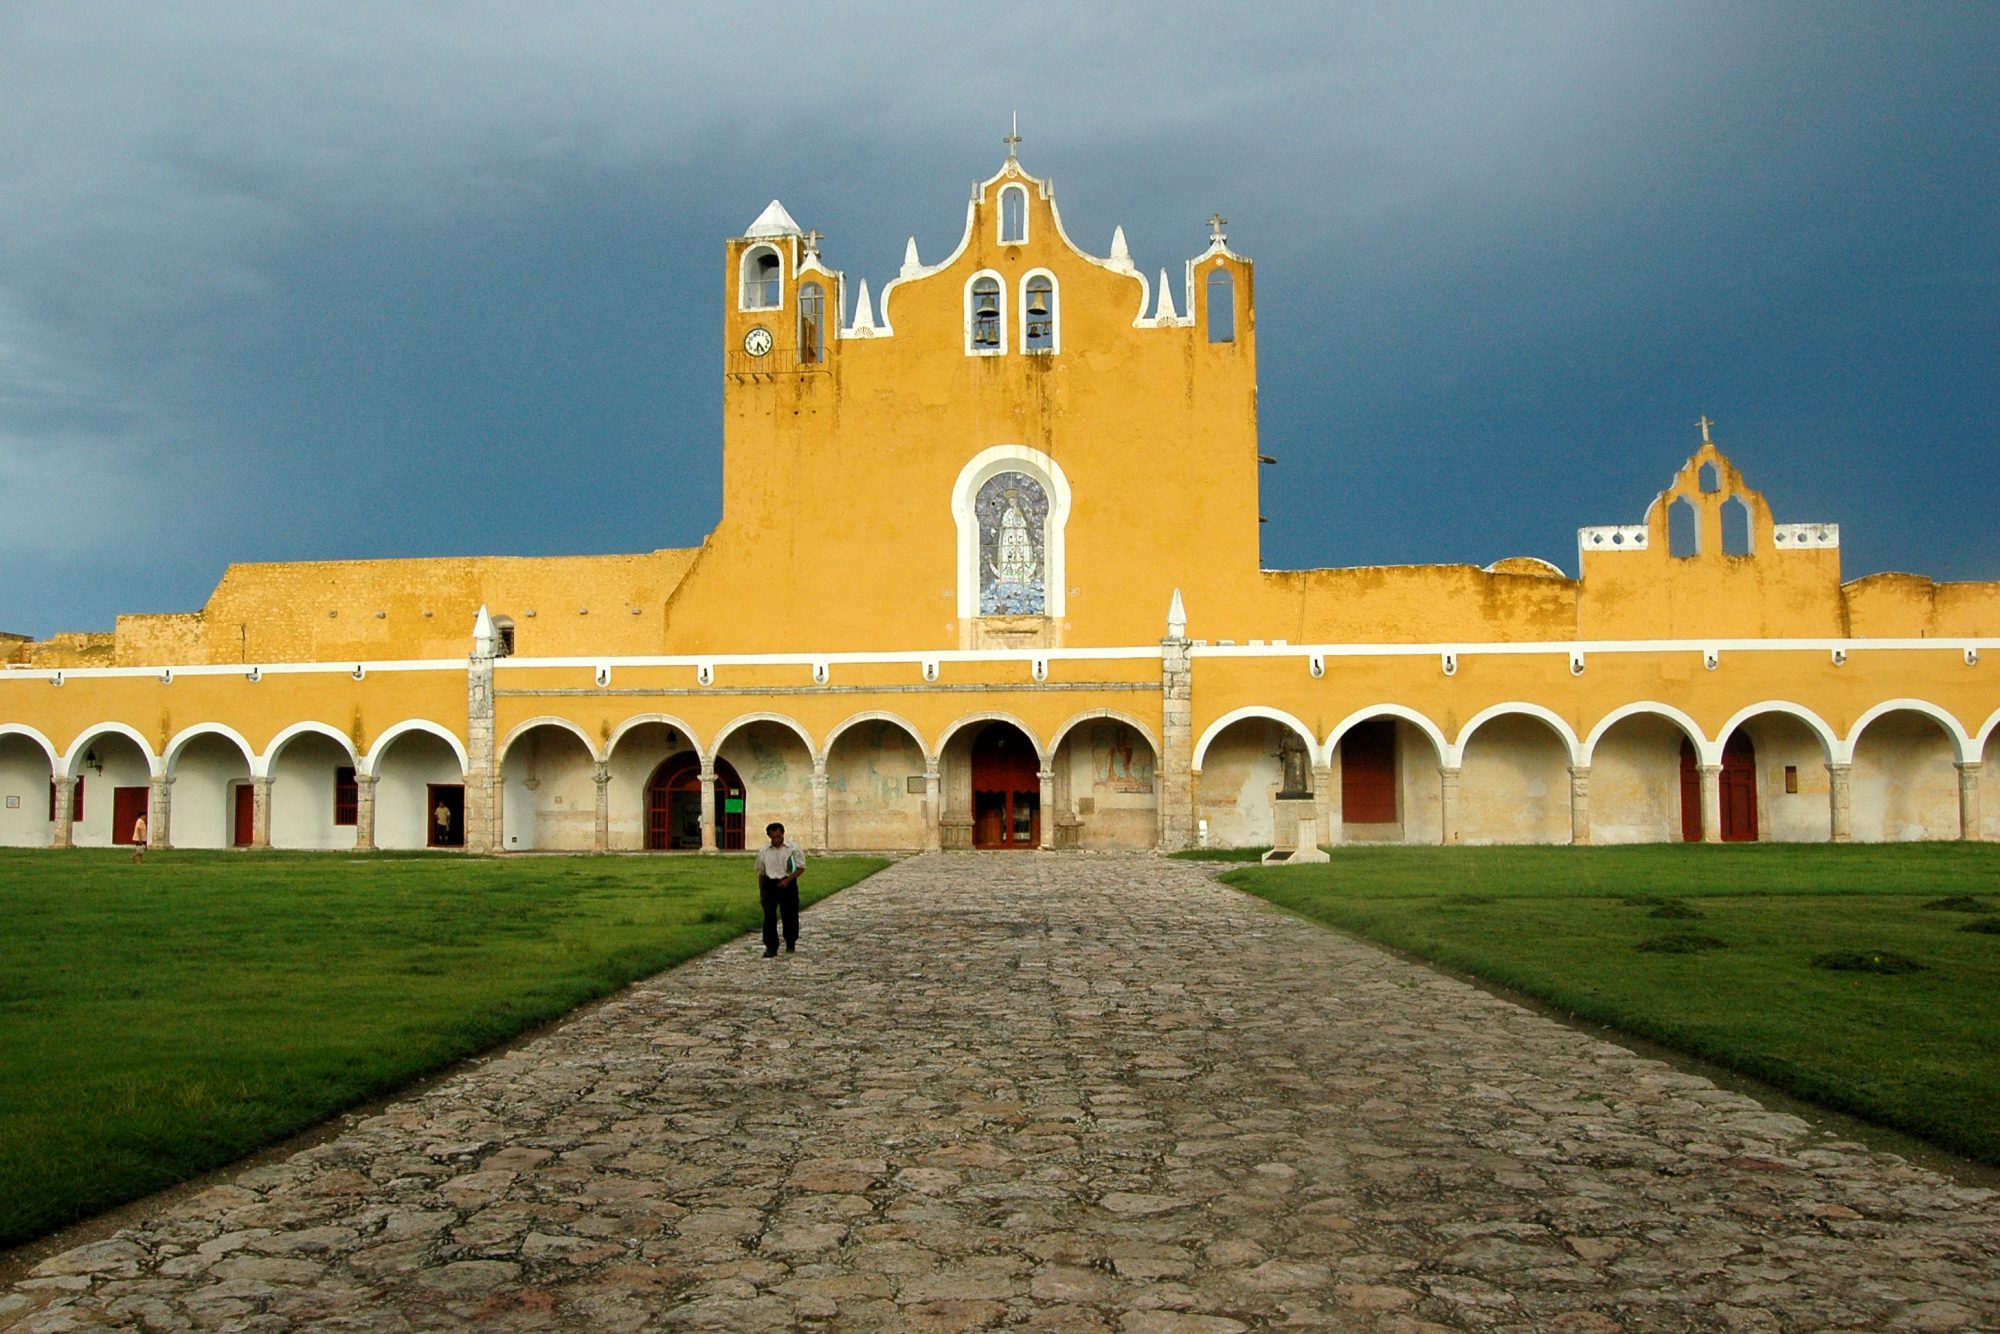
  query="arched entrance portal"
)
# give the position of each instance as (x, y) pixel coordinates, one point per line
(673, 805)
(1006, 789)
(1739, 791)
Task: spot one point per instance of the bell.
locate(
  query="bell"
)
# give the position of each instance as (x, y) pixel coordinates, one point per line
(983, 336)
(1038, 303)
(988, 306)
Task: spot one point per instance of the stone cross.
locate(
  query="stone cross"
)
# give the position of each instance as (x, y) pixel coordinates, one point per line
(1216, 222)
(812, 240)
(1704, 424)
(1013, 137)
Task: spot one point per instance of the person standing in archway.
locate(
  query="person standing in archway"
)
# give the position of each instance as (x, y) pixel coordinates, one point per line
(779, 865)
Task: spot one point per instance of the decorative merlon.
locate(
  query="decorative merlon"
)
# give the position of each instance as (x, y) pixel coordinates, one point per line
(1164, 312)
(1612, 537)
(864, 312)
(1177, 617)
(912, 266)
(1799, 536)
(1121, 255)
(483, 637)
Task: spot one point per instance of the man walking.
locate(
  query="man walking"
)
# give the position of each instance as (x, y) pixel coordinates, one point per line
(778, 867)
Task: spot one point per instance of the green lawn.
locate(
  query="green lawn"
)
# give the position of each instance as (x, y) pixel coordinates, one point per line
(1711, 950)
(160, 1020)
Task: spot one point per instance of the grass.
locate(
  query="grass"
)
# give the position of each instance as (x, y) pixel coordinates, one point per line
(1843, 975)
(157, 1021)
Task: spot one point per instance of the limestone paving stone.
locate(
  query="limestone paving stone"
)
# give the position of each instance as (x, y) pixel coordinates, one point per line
(1082, 1092)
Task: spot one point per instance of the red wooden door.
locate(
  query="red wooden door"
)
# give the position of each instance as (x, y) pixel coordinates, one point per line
(1690, 794)
(127, 805)
(730, 800)
(1368, 773)
(245, 832)
(1006, 789)
(1739, 790)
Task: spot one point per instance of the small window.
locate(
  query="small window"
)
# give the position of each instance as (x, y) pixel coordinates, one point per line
(1792, 780)
(1013, 215)
(346, 796)
(1221, 306)
(1711, 479)
(1735, 527)
(763, 274)
(503, 636)
(1683, 530)
(812, 317)
(986, 327)
(1038, 313)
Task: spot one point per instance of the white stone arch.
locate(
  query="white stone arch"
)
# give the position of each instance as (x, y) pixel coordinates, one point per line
(74, 755)
(1108, 715)
(880, 716)
(373, 761)
(752, 254)
(1043, 756)
(979, 470)
(548, 720)
(1986, 731)
(1688, 726)
(284, 737)
(1055, 309)
(1001, 235)
(638, 720)
(1324, 756)
(1835, 752)
(224, 730)
(763, 716)
(1253, 711)
(48, 747)
(1962, 742)
(1488, 714)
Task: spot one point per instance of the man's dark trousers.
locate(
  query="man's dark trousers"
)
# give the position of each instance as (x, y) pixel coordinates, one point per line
(779, 898)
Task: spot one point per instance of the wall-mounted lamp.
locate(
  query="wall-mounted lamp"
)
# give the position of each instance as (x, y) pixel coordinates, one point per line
(91, 761)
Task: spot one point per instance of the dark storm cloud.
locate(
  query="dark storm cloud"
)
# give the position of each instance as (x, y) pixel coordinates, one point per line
(354, 280)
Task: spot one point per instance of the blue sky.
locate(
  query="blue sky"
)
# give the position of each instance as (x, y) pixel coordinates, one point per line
(354, 280)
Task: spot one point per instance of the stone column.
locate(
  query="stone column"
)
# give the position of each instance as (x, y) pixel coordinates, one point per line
(159, 820)
(818, 840)
(1711, 802)
(1579, 805)
(1046, 804)
(260, 812)
(708, 830)
(1839, 798)
(482, 814)
(1328, 804)
(1176, 771)
(600, 775)
(1448, 803)
(65, 834)
(933, 805)
(364, 812)
(1969, 826)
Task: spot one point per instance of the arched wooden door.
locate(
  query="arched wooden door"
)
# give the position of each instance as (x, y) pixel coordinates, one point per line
(673, 805)
(1006, 789)
(1739, 789)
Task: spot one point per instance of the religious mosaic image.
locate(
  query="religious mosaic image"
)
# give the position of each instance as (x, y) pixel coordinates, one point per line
(1012, 511)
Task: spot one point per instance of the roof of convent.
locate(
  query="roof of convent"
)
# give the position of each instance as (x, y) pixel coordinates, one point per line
(1708, 555)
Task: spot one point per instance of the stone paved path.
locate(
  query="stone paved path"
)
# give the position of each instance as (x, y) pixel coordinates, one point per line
(1070, 1093)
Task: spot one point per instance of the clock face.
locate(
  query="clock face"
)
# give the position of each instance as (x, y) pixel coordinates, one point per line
(758, 341)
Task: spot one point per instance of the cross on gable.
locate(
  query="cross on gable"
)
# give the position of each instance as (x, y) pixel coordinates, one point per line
(1704, 424)
(1216, 222)
(812, 240)
(1013, 137)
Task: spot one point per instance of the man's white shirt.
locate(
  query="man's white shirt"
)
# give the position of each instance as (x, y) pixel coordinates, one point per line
(779, 862)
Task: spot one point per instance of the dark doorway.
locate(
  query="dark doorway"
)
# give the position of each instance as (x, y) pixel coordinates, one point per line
(1368, 773)
(1690, 794)
(1006, 789)
(244, 825)
(444, 814)
(1739, 789)
(673, 805)
(128, 804)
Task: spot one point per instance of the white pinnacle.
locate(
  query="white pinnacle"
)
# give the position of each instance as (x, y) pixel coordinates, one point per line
(1165, 309)
(482, 634)
(774, 221)
(1176, 617)
(864, 312)
(912, 266)
(1121, 257)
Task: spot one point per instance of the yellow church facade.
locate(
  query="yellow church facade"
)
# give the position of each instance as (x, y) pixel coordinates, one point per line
(987, 575)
